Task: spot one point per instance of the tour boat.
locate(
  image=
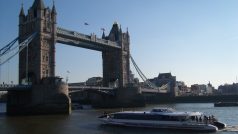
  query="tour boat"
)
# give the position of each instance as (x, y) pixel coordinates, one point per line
(164, 118)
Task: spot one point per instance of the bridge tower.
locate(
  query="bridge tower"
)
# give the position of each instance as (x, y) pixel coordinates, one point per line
(116, 63)
(38, 60)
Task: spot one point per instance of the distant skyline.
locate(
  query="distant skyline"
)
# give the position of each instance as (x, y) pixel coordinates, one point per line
(195, 40)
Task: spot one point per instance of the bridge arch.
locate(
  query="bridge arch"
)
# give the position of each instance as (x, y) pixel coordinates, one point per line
(31, 76)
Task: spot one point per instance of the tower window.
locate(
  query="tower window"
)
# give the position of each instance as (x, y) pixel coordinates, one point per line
(35, 13)
(47, 73)
(43, 58)
(47, 58)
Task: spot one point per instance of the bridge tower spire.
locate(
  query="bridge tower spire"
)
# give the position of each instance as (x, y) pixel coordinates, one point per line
(22, 18)
(22, 10)
(41, 51)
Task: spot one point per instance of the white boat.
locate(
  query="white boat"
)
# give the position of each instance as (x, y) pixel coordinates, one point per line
(163, 118)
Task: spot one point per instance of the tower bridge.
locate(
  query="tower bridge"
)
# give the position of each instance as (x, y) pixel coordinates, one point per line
(38, 35)
(47, 93)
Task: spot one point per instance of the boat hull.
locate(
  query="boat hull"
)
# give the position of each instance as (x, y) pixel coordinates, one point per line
(161, 125)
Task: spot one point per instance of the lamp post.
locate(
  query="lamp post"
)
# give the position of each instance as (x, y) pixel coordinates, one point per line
(67, 76)
(0, 71)
(27, 65)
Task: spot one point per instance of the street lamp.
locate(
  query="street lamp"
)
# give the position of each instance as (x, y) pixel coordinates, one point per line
(67, 76)
(0, 70)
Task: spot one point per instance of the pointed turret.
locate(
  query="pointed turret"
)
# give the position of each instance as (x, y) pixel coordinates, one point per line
(22, 11)
(103, 35)
(39, 4)
(115, 27)
(53, 9)
(115, 32)
(21, 15)
(120, 29)
(53, 12)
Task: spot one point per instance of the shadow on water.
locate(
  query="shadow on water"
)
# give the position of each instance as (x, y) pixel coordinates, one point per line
(32, 124)
(110, 129)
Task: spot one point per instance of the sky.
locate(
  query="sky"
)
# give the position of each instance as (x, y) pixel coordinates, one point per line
(195, 40)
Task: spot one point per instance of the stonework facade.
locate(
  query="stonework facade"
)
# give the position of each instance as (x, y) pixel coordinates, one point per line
(41, 51)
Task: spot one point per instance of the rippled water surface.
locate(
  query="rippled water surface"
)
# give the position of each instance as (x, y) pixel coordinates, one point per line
(86, 122)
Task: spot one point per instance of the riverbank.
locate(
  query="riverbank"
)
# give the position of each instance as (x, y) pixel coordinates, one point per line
(166, 98)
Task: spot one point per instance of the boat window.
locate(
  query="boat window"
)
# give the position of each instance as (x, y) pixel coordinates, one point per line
(142, 116)
(162, 110)
(157, 110)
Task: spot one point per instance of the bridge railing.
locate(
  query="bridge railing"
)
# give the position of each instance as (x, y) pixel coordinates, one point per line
(73, 34)
(5, 86)
(104, 90)
(91, 38)
(90, 87)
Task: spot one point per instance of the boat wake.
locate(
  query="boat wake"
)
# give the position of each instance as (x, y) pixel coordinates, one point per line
(230, 129)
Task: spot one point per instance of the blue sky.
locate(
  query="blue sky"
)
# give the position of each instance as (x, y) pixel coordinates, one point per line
(195, 40)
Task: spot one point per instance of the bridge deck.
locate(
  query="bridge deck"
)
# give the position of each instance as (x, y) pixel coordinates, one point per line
(145, 90)
(90, 87)
(82, 88)
(11, 87)
(77, 39)
(103, 90)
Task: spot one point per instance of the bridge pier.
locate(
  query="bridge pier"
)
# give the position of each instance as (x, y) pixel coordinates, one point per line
(124, 97)
(49, 97)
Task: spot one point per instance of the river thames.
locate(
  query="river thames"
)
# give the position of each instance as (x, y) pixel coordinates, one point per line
(86, 122)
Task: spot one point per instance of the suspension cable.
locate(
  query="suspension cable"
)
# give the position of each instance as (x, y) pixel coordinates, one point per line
(21, 47)
(5, 49)
(137, 68)
(141, 74)
(143, 77)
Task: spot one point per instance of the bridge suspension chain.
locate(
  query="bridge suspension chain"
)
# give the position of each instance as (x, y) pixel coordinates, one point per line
(141, 74)
(6, 50)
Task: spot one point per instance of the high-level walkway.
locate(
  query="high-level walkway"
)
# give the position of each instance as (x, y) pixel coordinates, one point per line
(77, 39)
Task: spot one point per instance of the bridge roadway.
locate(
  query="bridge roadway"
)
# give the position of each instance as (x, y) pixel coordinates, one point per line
(73, 89)
(9, 87)
(104, 90)
(146, 90)
(77, 39)
(14, 87)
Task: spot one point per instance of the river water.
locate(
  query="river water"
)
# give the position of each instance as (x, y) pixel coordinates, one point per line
(85, 121)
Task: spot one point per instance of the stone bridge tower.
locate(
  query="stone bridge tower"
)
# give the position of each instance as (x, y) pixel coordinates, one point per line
(41, 51)
(116, 63)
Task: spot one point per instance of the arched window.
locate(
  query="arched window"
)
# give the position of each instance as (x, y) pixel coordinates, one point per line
(35, 13)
